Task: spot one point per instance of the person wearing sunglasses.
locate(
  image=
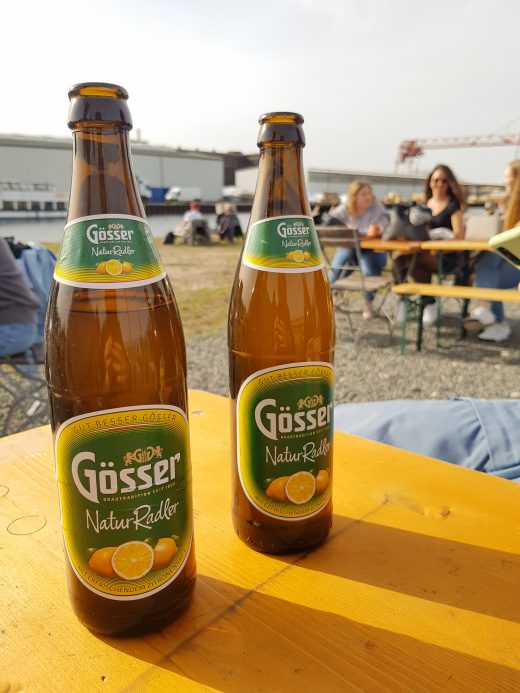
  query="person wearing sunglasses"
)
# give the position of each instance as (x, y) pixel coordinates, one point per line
(445, 199)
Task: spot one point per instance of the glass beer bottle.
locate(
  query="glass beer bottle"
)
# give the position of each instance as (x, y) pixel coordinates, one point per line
(116, 374)
(281, 350)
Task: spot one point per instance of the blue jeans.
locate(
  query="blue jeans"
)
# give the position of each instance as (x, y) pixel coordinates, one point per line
(372, 264)
(16, 338)
(493, 272)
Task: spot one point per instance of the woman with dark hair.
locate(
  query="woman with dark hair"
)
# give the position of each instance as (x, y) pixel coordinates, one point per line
(446, 200)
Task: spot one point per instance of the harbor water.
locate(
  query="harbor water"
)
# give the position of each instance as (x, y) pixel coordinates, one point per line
(51, 230)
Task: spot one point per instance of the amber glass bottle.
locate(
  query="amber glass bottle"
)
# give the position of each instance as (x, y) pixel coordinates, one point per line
(116, 373)
(281, 351)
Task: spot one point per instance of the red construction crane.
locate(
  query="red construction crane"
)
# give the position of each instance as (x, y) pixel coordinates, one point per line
(410, 149)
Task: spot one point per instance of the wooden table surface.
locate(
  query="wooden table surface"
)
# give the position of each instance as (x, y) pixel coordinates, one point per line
(453, 246)
(417, 588)
(469, 292)
(383, 246)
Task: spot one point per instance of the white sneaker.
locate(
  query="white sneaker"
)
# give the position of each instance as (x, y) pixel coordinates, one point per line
(430, 314)
(498, 332)
(478, 318)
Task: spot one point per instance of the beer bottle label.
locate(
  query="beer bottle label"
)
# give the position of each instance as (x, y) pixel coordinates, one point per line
(124, 484)
(283, 244)
(108, 251)
(284, 439)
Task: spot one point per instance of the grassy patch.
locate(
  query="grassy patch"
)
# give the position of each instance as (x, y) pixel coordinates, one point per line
(203, 311)
(202, 277)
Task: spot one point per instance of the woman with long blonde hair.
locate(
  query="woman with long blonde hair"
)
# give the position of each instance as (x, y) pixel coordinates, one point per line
(493, 272)
(363, 212)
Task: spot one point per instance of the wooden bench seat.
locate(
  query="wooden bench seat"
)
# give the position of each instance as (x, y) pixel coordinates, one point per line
(466, 293)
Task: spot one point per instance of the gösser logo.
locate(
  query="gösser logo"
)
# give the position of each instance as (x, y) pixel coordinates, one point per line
(90, 482)
(271, 423)
(114, 232)
(297, 228)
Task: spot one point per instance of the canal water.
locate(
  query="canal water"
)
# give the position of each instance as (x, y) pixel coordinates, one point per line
(51, 230)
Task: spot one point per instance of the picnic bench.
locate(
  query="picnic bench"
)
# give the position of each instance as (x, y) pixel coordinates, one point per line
(336, 236)
(467, 293)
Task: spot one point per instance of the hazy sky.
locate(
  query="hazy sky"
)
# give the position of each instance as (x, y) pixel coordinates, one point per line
(364, 74)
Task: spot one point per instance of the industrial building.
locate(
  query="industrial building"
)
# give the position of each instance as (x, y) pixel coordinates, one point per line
(386, 186)
(37, 160)
(33, 159)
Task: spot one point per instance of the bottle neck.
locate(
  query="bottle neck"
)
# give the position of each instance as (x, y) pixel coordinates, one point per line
(103, 180)
(280, 189)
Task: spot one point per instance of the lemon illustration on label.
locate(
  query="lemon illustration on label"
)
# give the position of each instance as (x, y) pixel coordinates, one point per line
(101, 561)
(322, 481)
(133, 560)
(127, 267)
(164, 552)
(101, 268)
(298, 256)
(114, 267)
(300, 487)
(276, 489)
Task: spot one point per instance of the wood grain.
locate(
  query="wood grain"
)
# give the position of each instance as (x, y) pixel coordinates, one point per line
(415, 590)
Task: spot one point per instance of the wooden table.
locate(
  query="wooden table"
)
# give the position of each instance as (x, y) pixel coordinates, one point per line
(382, 246)
(417, 587)
(454, 246)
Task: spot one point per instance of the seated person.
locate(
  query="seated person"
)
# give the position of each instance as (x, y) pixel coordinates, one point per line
(474, 433)
(493, 272)
(194, 226)
(18, 306)
(193, 213)
(370, 219)
(229, 224)
(445, 198)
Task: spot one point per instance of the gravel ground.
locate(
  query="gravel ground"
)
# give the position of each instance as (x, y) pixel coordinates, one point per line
(371, 369)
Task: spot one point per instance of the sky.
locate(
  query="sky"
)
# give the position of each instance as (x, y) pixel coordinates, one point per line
(365, 75)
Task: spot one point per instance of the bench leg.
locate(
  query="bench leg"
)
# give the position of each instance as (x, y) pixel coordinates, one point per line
(422, 303)
(464, 314)
(438, 304)
(406, 300)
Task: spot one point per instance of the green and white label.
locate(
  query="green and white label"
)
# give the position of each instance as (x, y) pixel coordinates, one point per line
(124, 481)
(283, 244)
(284, 439)
(107, 251)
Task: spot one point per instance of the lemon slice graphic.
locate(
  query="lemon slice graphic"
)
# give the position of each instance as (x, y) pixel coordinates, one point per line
(300, 487)
(114, 267)
(132, 560)
(298, 256)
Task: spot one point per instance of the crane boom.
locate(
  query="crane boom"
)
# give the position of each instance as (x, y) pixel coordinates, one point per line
(409, 149)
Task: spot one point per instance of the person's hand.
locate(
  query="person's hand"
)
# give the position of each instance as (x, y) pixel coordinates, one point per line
(374, 231)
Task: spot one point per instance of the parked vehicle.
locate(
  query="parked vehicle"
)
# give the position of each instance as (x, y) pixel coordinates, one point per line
(183, 194)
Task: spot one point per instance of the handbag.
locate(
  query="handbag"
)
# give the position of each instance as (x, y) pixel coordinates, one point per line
(408, 222)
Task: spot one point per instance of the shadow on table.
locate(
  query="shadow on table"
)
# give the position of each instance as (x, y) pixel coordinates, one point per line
(447, 572)
(233, 638)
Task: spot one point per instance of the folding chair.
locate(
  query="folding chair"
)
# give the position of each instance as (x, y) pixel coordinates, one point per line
(357, 281)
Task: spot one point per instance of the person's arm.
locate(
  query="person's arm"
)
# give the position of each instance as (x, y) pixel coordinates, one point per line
(379, 222)
(457, 224)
